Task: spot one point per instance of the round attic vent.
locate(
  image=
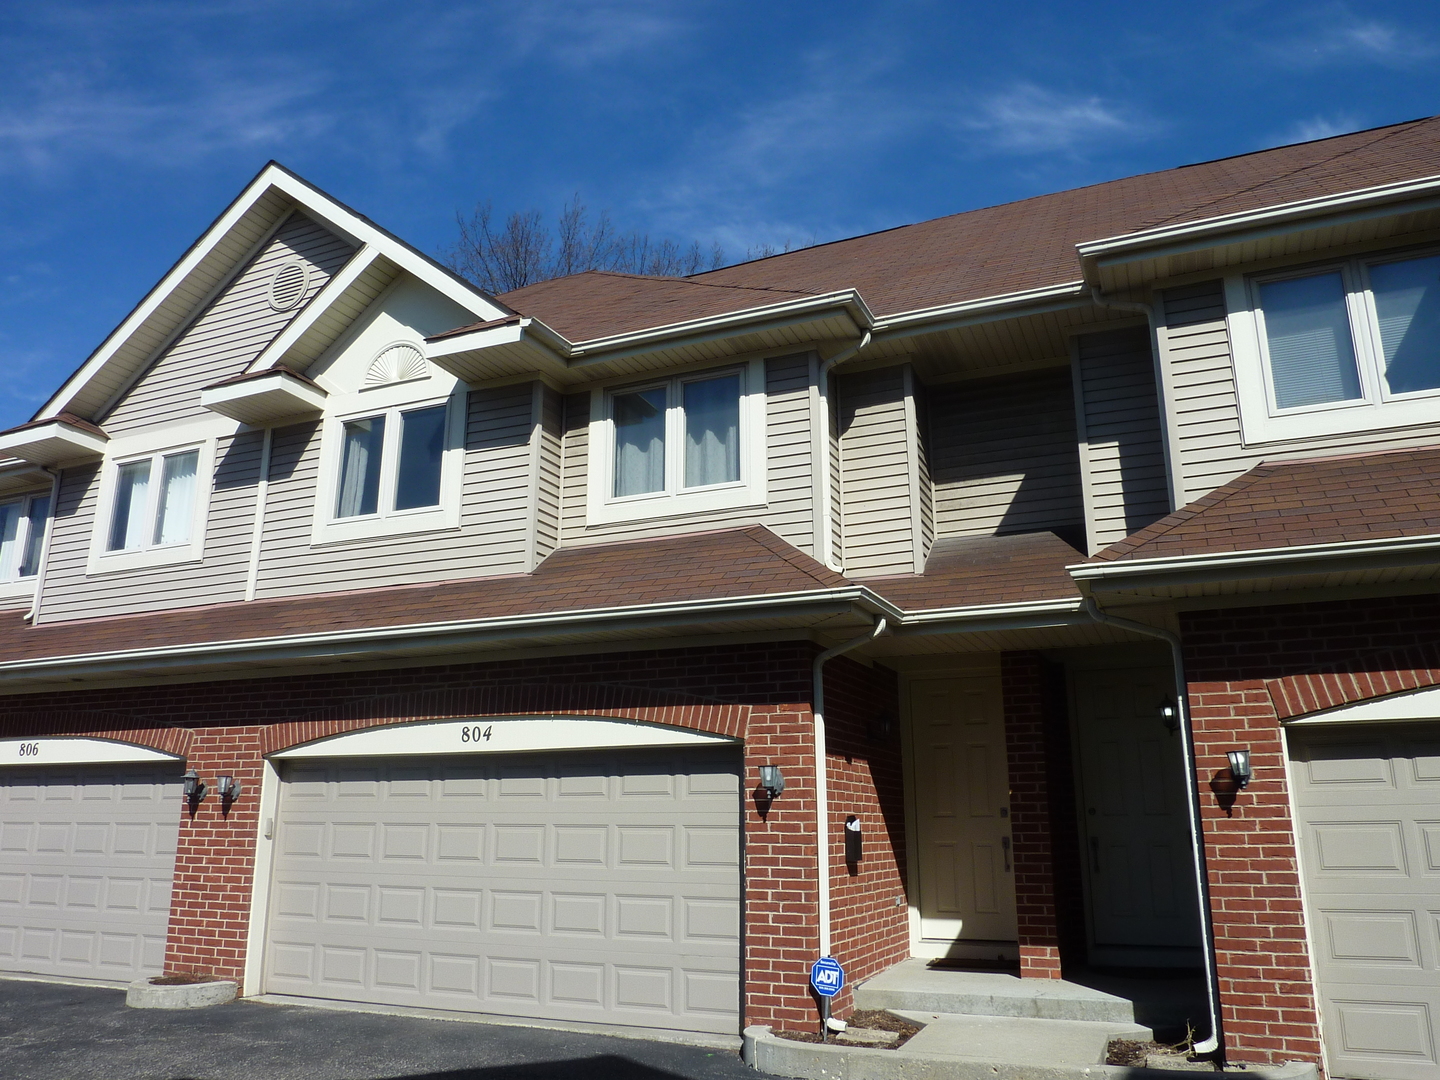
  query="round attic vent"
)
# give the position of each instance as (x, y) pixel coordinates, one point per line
(396, 363)
(288, 285)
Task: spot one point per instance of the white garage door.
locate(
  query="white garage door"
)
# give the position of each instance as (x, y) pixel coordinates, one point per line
(598, 886)
(87, 854)
(1369, 804)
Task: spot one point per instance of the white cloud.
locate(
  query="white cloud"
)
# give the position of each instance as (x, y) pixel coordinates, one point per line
(1030, 119)
(1341, 38)
(1318, 127)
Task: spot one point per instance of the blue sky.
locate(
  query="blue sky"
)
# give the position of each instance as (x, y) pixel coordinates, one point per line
(126, 127)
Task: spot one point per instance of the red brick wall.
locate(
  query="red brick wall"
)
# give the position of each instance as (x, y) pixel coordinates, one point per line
(1232, 658)
(757, 692)
(1048, 896)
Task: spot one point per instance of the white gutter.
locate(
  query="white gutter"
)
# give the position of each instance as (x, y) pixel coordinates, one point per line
(1131, 243)
(822, 773)
(1192, 804)
(1033, 614)
(1378, 553)
(367, 641)
(983, 309)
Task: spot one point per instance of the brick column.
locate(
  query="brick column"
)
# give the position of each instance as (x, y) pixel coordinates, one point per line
(1022, 684)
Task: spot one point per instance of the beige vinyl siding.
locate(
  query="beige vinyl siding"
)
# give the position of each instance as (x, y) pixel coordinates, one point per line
(837, 478)
(218, 577)
(788, 450)
(1122, 449)
(878, 445)
(549, 434)
(924, 479)
(230, 333)
(1004, 458)
(493, 536)
(1200, 378)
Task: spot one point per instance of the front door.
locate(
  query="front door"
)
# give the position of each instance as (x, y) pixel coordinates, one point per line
(1141, 886)
(967, 882)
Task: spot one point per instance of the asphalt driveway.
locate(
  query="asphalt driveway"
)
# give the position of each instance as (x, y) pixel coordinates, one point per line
(51, 1032)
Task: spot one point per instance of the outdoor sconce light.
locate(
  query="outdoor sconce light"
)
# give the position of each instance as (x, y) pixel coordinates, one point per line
(194, 789)
(880, 728)
(1169, 713)
(771, 781)
(1240, 767)
(229, 789)
(853, 849)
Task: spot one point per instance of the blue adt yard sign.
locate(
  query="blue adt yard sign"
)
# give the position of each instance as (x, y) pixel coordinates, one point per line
(827, 976)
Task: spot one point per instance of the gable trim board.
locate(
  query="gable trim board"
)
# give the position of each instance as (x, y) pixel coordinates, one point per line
(280, 187)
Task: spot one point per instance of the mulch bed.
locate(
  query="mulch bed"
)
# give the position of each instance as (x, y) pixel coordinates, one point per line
(875, 1018)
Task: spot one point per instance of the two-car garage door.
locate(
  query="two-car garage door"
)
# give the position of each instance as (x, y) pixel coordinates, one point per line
(597, 885)
(1368, 799)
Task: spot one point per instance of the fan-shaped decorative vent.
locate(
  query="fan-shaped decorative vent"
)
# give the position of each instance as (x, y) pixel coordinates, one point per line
(396, 363)
(288, 285)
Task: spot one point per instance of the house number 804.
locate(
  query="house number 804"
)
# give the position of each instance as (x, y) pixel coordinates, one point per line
(474, 734)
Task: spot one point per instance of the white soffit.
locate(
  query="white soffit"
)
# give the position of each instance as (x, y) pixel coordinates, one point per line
(489, 736)
(50, 750)
(55, 443)
(264, 400)
(1416, 705)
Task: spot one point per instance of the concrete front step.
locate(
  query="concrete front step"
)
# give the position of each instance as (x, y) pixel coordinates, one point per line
(1017, 1040)
(914, 987)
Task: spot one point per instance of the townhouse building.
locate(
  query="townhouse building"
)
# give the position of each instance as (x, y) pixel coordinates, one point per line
(369, 638)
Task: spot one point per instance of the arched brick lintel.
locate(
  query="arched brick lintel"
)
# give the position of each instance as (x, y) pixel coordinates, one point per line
(580, 699)
(98, 725)
(1372, 675)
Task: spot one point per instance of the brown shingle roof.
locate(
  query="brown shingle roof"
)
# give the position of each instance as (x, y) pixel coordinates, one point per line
(1297, 503)
(705, 566)
(980, 570)
(1003, 249)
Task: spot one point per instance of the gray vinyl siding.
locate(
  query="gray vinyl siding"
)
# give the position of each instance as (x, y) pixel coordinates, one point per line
(877, 448)
(837, 478)
(924, 478)
(790, 510)
(493, 536)
(550, 433)
(1195, 343)
(229, 334)
(218, 577)
(1004, 457)
(1122, 451)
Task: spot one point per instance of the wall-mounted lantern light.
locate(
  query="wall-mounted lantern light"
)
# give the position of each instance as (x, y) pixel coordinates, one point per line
(193, 789)
(229, 789)
(1169, 713)
(853, 840)
(881, 727)
(771, 781)
(1240, 767)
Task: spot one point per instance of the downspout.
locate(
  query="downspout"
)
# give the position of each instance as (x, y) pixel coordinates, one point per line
(822, 771)
(34, 612)
(262, 496)
(827, 544)
(1192, 803)
(1148, 310)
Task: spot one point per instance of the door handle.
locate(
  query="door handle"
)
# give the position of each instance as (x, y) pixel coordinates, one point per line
(1095, 854)
(1005, 849)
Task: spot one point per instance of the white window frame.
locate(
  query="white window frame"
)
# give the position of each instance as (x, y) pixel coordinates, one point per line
(103, 561)
(603, 507)
(389, 401)
(1261, 420)
(12, 584)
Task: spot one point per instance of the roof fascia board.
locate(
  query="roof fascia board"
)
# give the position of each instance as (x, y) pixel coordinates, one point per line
(1345, 556)
(60, 401)
(371, 641)
(1071, 294)
(990, 617)
(361, 261)
(1207, 232)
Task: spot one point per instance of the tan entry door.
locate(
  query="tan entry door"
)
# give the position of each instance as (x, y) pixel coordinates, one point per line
(967, 881)
(1137, 858)
(1369, 808)
(591, 885)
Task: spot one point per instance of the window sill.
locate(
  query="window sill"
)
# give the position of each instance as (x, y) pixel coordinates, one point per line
(346, 534)
(17, 588)
(675, 508)
(120, 561)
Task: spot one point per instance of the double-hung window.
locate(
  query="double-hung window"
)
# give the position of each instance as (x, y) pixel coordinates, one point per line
(152, 508)
(22, 536)
(390, 470)
(677, 445)
(1344, 346)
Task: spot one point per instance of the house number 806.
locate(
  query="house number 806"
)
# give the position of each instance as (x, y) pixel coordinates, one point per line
(474, 734)
(32, 749)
